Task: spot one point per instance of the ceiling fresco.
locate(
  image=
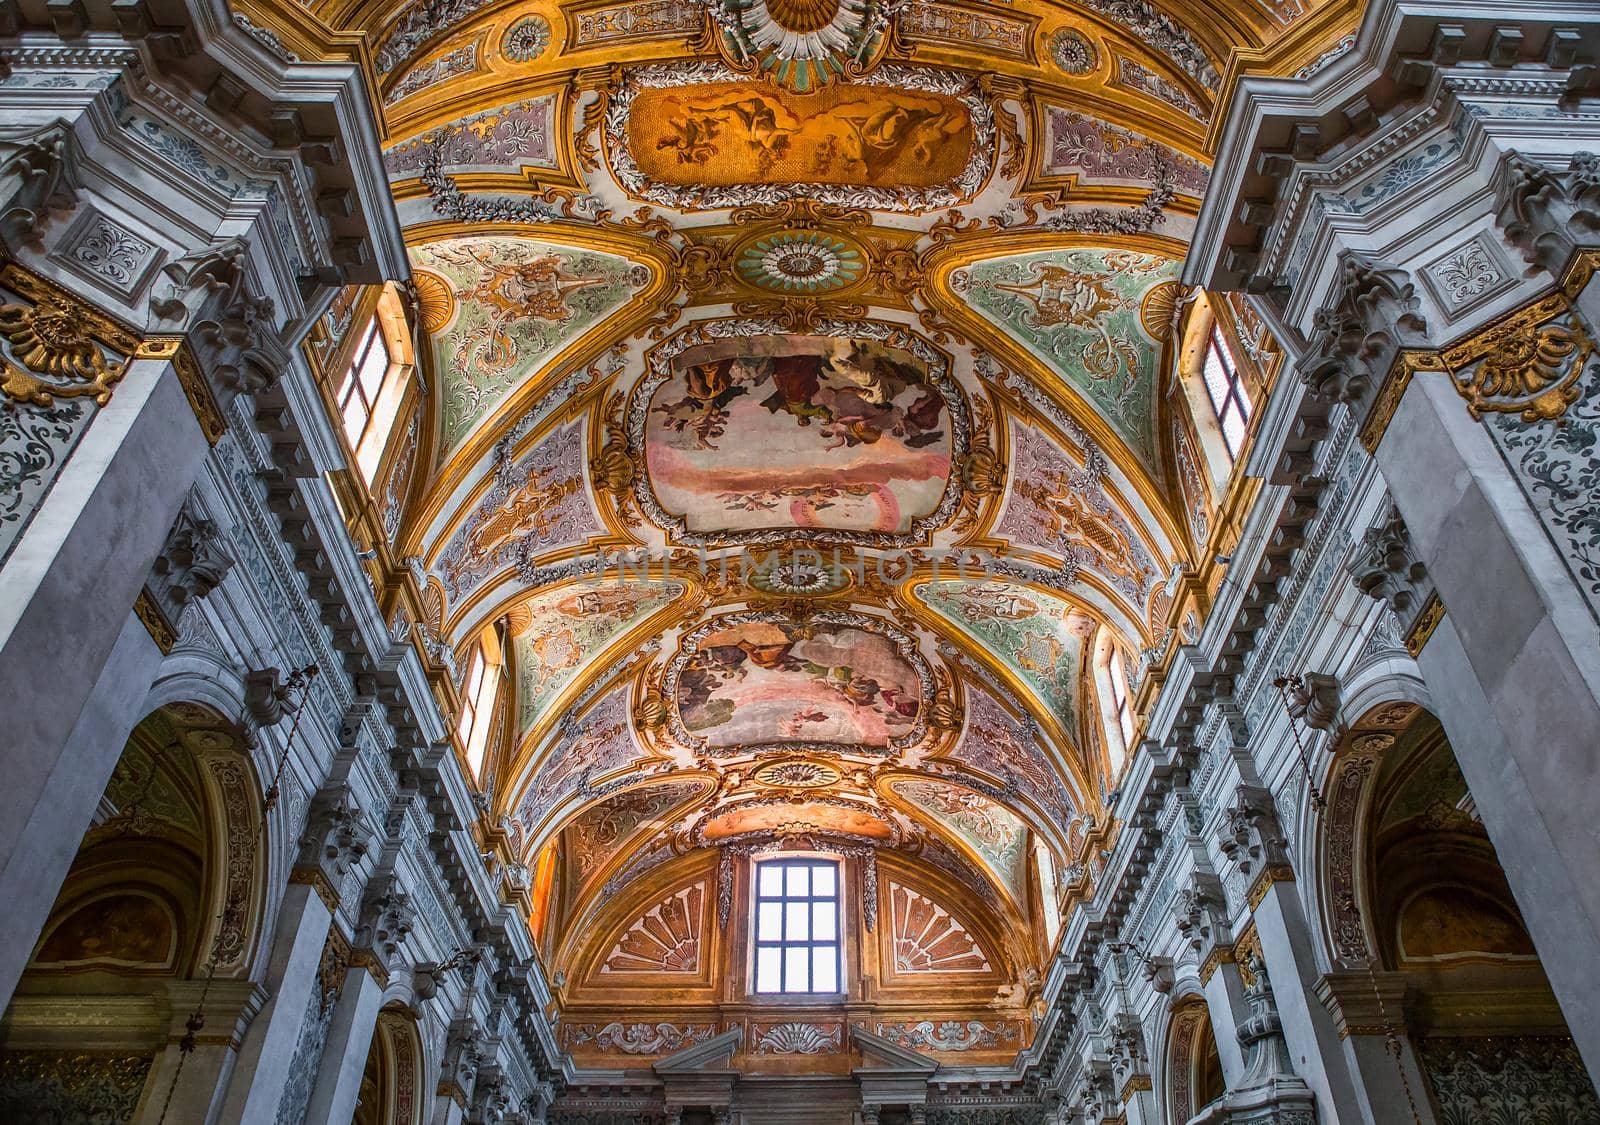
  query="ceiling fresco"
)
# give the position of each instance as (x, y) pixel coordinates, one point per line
(798, 432)
(991, 830)
(756, 680)
(498, 308)
(797, 404)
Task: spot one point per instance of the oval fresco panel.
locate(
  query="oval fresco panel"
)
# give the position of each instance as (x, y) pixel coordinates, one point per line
(781, 433)
(753, 681)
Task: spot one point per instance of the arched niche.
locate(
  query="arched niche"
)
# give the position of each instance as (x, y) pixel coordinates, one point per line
(1193, 1068)
(391, 1092)
(163, 902)
(1413, 891)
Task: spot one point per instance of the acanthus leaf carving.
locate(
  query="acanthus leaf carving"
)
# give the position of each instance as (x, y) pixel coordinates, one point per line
(1386, 568)
(1372, 316)
(207, 294)
(193, 562)
(1251, 837)
(1547, 214)
(41, 163)
(336, 836)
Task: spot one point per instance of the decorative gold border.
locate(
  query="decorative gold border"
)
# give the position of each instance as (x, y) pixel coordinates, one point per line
(176, 351)
(1393, 389)
(1422, 629)
(155, 622)
(1471, 348)
(1277, 873)
(313, 877)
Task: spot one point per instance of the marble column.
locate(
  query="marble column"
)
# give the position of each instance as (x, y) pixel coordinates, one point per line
(1514, 670)
(1364, 1006)
(1224, 992)
(344, 1057)
(263, 1070)
(194, 1083)
(71, 650)
(1308, 1030)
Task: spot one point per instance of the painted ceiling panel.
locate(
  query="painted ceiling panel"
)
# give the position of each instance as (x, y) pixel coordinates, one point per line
(1008, 749)
(513, 304)
(989, 828)
(1063, 508)
(534, 504)
(560, 632)
(1080, 311)
(1037, 636)
(798, 432)
(810, 378)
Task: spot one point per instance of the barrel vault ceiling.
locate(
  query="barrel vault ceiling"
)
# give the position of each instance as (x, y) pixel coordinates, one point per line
(869, 289)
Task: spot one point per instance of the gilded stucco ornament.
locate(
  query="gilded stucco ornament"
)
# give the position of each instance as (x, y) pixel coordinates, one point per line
(52, 339)
(1528, 369)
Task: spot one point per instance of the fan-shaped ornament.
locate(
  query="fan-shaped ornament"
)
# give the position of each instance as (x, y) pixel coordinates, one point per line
(436, 301)
(804, 44)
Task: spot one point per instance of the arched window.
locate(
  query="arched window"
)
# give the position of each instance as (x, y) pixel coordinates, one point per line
(479, 692)
(1116, 698)
(369, 393)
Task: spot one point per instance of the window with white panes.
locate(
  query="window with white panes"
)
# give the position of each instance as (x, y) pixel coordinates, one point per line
(362, 383)
(797, 947)
(1119, 695)
(1225, 388)
(477, 707)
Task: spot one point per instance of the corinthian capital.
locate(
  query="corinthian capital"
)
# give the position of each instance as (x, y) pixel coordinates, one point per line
(1545, 213)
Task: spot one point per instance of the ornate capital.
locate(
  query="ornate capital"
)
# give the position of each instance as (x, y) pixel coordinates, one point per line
(387, 916)
(38, 171)
(207, 296)
(336, 834)
(491, 1098)
(464, 1053)
(1370, 319)
(1199, 911)
(1546, 214)
(1386, 567)
(192, 563)
(1251, 837)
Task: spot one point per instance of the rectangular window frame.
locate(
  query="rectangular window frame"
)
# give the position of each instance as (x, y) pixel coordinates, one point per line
(782, 943)
(1225, 388)
(1116, 672)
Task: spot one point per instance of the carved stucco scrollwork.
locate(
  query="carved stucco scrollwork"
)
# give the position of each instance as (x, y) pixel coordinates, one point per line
(40, 164)
(234, 784)
(1371, 317)
(1347, 931)
(55, 353)
(1548, 214)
